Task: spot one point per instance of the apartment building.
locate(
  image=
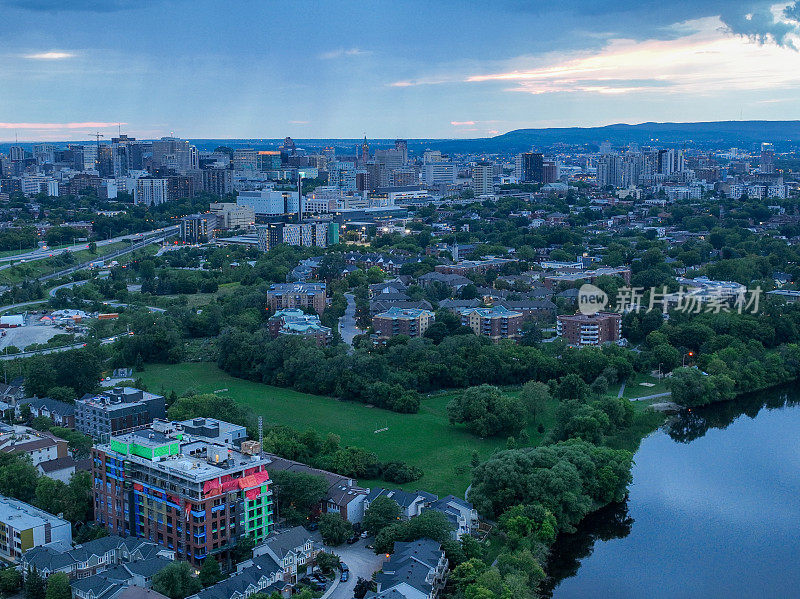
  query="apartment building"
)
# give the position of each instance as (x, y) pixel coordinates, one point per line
(23, 527)
(181, 490)
(116, 410)
(496, 322)
(412, 322)
(296, 295)
(416, 569)
(293, 321)
(595, 329)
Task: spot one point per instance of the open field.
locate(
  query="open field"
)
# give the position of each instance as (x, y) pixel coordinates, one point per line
(634, 388)
(426, 439)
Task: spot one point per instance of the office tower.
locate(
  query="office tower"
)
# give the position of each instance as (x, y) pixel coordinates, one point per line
(151, 191)
(44, 153)
(268, 160)
(532, 164)
(605, 148)
(16, 153)
(767, 165)
(105, 161)
(194, 487)
(121, 155)
(439, 173)
(482, 177)
(609, 171)
(401, 145)
(549, 171)
(90, 155)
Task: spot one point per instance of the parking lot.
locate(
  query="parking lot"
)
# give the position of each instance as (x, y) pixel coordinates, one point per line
(21, 337)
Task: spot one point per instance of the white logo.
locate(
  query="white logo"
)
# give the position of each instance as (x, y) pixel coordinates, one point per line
(591, 299)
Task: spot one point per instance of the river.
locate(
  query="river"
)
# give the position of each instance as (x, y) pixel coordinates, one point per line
(713, 511)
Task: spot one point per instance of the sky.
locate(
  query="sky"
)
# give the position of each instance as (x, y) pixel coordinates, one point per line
(385, 69)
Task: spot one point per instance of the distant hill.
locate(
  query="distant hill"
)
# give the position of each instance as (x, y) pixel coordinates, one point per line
(718, 133)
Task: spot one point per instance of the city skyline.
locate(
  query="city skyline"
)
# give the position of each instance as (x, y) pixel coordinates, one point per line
(338, 71)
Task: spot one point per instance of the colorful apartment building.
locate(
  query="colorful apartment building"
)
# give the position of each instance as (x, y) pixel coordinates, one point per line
(190, 492)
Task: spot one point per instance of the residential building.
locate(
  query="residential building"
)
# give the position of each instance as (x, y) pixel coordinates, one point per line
(293, 321)
(91, 558)
(292, 549)
(465, 267)
(151, 191)
(215, 431)
(198, 228)
(587, 276)
(412, 503)
(268, 202)
(297, 295)
(594, 329)
(416, 570)
(402, 321)
(218, 181)
(462, 516)
(116, 410)
(482, 178)
(496, 322)
(60, 412)
(23, 527)
(304, 234)
(182, 491)
(39, 446)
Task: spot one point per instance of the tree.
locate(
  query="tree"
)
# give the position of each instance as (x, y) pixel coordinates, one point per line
(487, 411)
(34, 585)
(535, 396)
(334, 529)
(327, 562)
(210, 573)
(58, 586)
(298, 494)
(381, 513)
(430, 524)
(10, 580)
(176, 581)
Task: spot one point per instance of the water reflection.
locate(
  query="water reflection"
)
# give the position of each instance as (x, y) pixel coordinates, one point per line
(691, 496)
(611, 522)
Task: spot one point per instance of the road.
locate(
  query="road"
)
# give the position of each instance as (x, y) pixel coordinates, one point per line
(55, 289)
(41, 253)
(54, 350)
(362, 563)
(654, 396)
(347, 323)
(157, 238)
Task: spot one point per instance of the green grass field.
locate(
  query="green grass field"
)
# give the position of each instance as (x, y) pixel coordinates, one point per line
(634, 388)
(425, 439)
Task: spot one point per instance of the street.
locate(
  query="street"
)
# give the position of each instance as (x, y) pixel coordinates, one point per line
(362, 563)
(347, 323)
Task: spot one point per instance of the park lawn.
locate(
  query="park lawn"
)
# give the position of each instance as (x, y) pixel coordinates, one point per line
(426, 439)
(633, 389)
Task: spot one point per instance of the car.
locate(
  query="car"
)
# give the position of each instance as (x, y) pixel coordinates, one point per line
(364, 534)
(353, 539)
(320, 578)
(305, 580)
(345, 576)
(343, 567)
(313, 526)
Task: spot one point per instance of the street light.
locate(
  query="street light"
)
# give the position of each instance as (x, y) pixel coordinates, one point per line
(690, 354)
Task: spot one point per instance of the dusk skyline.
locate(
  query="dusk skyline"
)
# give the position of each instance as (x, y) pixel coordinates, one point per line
(415, 70)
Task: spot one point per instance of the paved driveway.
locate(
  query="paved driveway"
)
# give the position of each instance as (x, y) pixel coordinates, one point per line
(347, 324)
(362, 563)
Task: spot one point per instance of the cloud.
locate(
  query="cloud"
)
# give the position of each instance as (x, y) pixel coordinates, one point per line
(344, 53)
(59, 126)
(49, 55)
(299, 122)
(462, 123)
(706, 61)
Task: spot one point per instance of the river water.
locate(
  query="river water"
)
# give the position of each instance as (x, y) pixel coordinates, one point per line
(713, 511)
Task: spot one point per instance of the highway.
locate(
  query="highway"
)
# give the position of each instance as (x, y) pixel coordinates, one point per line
(53, 350)
(45, 252)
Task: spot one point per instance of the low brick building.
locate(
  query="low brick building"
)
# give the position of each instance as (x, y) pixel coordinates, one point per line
(496, 322)
(595, 329)
(412, 322)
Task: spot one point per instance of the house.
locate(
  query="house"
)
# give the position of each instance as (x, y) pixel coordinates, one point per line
(60, 412)
(12, 392)
(257, 575)
(344, 496)
(93, 557)
(411, 503)
(40, 446)
(459, 512)
(291, 549)
(416, 570)
(63, 468)
(112, 583)
(454, 281)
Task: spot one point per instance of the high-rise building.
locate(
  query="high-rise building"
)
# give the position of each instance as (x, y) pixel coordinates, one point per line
(233, 216)
(268, 202)
(198, 228)
(767, 164)
(532, 167)
(151, 191)
(172, 153)
(439, 173)
(16, 153)
(218, 181)
(401, 145)
(482, 178)
(194, 487)
(609, 171)
(245, 159)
